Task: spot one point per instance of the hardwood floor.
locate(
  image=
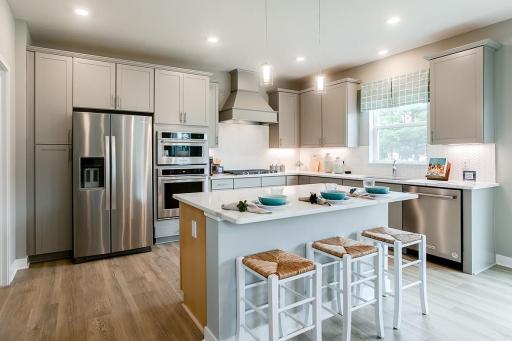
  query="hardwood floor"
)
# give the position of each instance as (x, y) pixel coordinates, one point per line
(137, 297)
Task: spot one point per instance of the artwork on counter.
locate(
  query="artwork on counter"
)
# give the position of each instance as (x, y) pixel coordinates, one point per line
(438, 169)
(469, 175)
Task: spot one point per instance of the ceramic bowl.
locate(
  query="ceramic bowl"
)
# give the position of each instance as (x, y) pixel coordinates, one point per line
(273, 199)
(334, 195)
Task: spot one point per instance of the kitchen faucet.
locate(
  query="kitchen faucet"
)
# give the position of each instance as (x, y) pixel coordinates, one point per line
(394, 168)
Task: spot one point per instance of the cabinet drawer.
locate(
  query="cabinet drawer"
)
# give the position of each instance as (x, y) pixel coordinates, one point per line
(352, 183)
(273, 181)
(322, 180)
(303, 180)
(292, 180)
(218, 184)
(247, 182)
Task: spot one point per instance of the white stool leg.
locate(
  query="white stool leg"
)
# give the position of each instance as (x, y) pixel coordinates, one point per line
(347, 297)
(240, 293)
(317, 303)
(423, 274)
(308, 280)
(397, 267)
(377, 265)
(282, 303)
(385, 264)
(339, 278)
(273, 310)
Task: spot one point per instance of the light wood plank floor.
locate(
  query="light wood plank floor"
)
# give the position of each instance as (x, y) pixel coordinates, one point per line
(137, 297)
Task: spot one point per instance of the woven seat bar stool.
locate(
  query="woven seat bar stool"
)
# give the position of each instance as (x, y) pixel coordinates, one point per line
(342, 253)
(277, 270)
(398, 239)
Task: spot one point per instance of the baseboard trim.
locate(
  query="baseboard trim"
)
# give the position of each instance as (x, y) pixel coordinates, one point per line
(208, 335)
(18, 264)
(504, 261)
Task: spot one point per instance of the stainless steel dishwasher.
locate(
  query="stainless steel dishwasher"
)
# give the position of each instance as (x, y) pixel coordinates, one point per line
(437, 213)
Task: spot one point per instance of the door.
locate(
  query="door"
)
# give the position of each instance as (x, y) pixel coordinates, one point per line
(456, 108)
(53, 199)
(91, 199)
(213, 138)
(135, 88)
(131, 199)
(168, 97)
(334, 116)
(94, 84)
(288, 120)
(53, 99)
(310, 119)
(195, 100)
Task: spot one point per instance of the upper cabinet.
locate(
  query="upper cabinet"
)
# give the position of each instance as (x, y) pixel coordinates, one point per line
(213, 131)
(135, 88)
(461, 85)
(53, 99)
(310, 119)
(94, 84)
(97, 85)
(330, 120)
(181, 98)
(285, 134)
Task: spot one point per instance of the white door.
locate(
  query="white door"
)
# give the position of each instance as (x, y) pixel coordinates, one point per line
(195, 99)
(53, 99)
(334, 116)
(135, 88)
(310, 119)
(94, 84)
(168, 97)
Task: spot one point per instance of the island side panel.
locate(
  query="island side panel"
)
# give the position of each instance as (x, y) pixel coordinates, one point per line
(193, 262)
(229, 241)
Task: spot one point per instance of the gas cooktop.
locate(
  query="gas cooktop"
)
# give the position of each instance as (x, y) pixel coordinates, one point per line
(248, 171)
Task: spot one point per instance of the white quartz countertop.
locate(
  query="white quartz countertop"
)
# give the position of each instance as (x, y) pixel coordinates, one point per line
(465, 185)
(211, 202)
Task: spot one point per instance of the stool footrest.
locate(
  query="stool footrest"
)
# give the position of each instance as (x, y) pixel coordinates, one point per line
(366, 279)
(295, 333)
(256, 308)
(297, 304)
(372, 301)
(411, 285)
(406, 263)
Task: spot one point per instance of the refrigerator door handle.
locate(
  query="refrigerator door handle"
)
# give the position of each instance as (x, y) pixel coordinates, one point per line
(114, 174)
(107, 173)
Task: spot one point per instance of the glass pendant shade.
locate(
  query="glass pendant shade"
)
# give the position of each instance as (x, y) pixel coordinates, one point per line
(267, 76)
(320, 84)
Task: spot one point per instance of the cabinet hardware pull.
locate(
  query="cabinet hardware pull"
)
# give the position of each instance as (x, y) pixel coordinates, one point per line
(432, 136)
(440, 196)
(119, 102)
(181, 115)
(185, 119)
(114, 173)
(216, 140)
(107, 173)
(69, 136)
(280, 141)
(112, 101)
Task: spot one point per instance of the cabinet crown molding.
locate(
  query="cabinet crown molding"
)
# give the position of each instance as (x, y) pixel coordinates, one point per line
(485, 42)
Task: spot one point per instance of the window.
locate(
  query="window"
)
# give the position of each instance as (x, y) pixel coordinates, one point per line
(399, 133)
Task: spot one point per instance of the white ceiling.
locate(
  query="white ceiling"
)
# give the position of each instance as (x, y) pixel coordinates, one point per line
(352, 31)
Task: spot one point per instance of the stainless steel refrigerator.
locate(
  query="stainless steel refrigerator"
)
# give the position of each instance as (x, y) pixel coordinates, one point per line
(112, 184)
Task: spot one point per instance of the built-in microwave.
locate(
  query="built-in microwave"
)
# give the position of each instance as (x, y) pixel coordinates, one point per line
(181, 148)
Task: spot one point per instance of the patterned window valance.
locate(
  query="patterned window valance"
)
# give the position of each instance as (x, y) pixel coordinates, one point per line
(405, 89)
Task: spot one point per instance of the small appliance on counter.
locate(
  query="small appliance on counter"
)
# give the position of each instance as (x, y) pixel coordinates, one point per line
(215, 167)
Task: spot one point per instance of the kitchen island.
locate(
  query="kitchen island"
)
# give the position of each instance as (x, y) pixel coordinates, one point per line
(212, 238)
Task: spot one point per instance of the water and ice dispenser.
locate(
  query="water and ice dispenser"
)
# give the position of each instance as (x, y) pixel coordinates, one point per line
(92, 172)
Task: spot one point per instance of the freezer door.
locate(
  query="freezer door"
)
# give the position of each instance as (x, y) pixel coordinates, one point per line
(132, 195)
(91, 204)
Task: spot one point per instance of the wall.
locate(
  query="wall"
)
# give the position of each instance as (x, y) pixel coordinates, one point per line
(22, 40)
(7, 159)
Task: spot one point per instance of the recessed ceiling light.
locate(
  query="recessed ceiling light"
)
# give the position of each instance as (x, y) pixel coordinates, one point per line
(82, 12)
(393, 20)
(213, 40)
(383, 52)
(300, 59)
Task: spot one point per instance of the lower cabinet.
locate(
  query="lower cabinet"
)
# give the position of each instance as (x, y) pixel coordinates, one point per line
(292, 180)
(246, 182)
(352, 183)
(395, 208)
(267, 181)
(53, 204)
(303, 180)
(221, 184)
(323, 180)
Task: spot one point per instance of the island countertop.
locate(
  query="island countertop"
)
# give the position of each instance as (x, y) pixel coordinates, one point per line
(210, 203)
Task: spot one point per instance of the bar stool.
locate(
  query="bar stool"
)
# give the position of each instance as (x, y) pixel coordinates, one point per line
(385, 237)
(276, 269)
(343, 252)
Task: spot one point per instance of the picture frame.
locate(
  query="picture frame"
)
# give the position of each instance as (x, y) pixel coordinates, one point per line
(438, 169)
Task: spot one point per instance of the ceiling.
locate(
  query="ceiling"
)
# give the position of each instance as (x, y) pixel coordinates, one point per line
(352, 31)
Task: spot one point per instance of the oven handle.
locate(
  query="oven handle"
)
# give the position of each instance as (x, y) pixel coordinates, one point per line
(181, 142)
(165, 180)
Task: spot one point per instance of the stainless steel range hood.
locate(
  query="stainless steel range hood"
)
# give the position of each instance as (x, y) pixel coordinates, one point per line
(245, 104)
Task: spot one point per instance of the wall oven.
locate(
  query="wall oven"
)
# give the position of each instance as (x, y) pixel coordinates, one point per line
(178, 180)
(181, 148)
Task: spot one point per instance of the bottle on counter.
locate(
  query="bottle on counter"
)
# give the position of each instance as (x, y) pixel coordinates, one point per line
(339, 166)
(328, 163)
(282, 168)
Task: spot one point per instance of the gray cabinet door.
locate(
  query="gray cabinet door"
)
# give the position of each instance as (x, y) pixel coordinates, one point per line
(53, 199)
(352, 183)
(213, 124)
(285, 134)
(53, 99)
(292, 180)
(94, 84)
(267, 181)
(324, 180)
(310, 119)
(168, 97)
(456, 108)
(196, 95)
(304, 180)
(135, 88)
(246, 182)
(334, 116)
(395, 208)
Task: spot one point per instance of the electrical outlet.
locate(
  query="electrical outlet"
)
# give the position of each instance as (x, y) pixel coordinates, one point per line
(194, 229)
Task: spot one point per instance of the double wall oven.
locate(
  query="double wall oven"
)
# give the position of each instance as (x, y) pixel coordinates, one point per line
(182, 167)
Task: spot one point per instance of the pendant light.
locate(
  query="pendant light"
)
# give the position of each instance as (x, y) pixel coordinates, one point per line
(319, 78)
(267, 74)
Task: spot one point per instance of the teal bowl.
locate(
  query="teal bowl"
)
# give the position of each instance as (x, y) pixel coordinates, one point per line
(334, 195)
(273, 199)
(377, 190)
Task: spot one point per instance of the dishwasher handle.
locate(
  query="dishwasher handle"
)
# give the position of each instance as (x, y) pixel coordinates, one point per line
(439, 196)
